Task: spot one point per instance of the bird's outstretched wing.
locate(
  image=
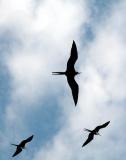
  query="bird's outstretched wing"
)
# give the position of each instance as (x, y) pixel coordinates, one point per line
(29, 139)
(73, 57)
(18, 150)
(74, 88)
(102, 126)
(22, 144)
(90, 138)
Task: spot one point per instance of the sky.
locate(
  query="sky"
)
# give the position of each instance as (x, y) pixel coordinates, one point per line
(35, 39)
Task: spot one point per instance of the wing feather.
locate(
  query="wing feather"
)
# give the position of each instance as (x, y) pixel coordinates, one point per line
(74, 88)
(26, 141)
(102, 126)
(73, 57)
(18, 150)
(90, 138)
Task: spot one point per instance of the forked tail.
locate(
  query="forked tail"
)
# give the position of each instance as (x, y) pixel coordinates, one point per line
(14, 145)
(58, 73)
(87, 130)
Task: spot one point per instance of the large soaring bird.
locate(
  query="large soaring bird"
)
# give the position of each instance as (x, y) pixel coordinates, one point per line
(70, 72)
(21, 145)
(94, 132)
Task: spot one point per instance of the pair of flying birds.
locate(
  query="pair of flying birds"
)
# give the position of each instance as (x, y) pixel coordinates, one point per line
(22, 144)
(70, 73)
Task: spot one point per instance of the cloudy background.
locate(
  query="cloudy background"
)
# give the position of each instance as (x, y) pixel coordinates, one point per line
(35, 39)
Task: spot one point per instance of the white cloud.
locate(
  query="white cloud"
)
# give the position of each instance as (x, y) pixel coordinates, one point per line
(45, 35)
(46, 32)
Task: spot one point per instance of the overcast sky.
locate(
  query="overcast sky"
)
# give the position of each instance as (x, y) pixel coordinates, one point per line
(35, 39)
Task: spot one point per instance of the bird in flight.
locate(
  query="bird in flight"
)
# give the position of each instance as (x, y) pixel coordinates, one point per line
(70, 72)
(94, 132)
(21, 145)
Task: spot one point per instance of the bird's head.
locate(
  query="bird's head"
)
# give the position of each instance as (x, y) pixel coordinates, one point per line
(78, 72)
(98, 134)
(24, 147)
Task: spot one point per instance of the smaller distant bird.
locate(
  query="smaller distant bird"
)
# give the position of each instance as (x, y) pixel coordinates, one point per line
(94, 132)
(21, 145)
(70, 72)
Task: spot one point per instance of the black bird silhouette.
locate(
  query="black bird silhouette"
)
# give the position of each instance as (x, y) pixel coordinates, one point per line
(94, 132)
(70, 72)
(21, 145)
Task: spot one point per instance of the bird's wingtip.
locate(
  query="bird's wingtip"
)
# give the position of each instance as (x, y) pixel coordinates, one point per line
(83, 145)
(32, 136)
(75, 101)
(73, 42)
(75, 105)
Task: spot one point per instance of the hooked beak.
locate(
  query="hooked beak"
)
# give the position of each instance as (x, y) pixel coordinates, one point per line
(99, 134)
(78, 72)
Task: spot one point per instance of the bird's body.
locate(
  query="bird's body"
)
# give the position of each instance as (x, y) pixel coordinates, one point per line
(21, 146)
(94, 132)
(70, 73)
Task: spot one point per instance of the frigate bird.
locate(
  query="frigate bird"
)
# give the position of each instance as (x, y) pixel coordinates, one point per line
(70, 72)
(94, 132)
(21, 145)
